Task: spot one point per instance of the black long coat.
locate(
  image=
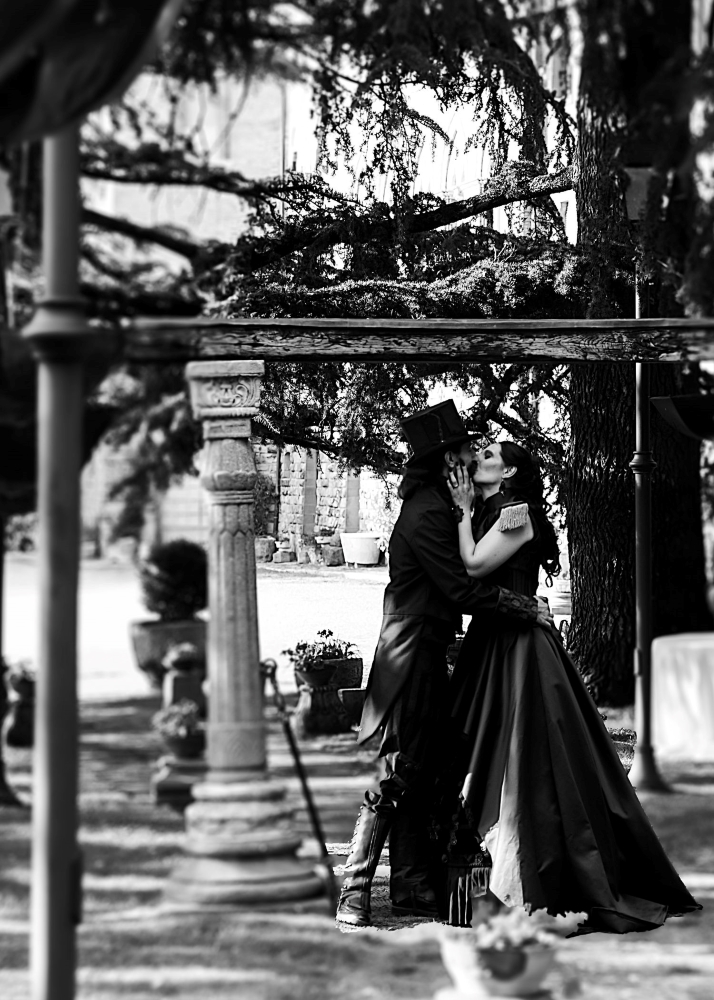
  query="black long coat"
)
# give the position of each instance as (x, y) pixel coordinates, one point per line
(427, 579)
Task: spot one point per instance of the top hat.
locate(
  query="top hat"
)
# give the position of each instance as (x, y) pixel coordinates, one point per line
(437, 429)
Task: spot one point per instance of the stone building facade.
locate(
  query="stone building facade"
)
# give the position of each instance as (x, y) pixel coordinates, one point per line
(314, 498)
(318, 499)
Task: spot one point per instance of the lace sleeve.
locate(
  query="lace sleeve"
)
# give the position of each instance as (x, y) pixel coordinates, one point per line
(518, 606)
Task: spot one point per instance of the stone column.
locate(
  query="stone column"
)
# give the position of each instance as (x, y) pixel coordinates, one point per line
(241, 839)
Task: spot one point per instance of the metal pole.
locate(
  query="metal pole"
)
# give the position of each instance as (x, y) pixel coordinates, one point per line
(57, 334)
(7, 796)
(644, 774)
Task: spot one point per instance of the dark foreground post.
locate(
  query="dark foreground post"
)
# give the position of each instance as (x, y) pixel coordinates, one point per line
(57, 334)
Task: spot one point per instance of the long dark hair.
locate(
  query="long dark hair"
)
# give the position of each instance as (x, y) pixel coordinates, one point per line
(527, 484)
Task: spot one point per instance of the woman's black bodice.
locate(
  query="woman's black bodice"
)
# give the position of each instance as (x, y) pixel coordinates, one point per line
(520, 572)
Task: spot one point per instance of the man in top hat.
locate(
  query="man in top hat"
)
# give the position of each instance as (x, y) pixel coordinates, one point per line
(428, 592)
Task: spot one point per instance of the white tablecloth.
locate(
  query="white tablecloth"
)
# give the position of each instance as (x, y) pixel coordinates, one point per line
(683, 695)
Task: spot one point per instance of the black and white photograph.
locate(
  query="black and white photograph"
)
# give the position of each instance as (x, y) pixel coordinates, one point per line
(356, 499)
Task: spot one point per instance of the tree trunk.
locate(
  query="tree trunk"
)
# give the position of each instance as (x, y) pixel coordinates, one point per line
(601, 528)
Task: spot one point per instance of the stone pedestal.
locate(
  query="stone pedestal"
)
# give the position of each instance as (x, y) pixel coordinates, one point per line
(241, 839)
(172, 784)
(185, 684)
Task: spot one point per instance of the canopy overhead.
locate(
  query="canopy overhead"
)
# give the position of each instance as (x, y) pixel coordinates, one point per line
(60, 59)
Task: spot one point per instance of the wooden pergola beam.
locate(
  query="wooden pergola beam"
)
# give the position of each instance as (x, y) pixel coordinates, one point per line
(540, 341)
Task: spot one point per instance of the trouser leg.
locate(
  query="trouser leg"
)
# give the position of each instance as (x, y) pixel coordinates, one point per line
(401, 802)
(409, 888)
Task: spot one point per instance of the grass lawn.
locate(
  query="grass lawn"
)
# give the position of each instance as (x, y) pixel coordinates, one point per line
(127, 947)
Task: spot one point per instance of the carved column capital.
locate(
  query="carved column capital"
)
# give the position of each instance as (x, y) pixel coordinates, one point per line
(225, 395)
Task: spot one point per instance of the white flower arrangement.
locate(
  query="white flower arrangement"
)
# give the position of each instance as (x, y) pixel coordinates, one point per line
(515, 928)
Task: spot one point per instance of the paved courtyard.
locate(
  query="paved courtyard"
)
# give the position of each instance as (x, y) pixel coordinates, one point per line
(130, 947)
(294, 602)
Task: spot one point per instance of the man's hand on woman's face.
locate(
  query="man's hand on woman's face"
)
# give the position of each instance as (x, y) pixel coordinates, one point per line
(461, 488)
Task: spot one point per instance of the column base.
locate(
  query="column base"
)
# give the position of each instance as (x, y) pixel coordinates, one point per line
(241, 844)
(258, 884)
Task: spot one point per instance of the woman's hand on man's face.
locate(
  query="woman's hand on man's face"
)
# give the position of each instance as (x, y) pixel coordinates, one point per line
(461, 488)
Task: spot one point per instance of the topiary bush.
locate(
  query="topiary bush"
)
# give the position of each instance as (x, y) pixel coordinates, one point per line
(174, 579)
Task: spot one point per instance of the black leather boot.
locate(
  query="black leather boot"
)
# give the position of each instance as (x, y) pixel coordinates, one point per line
(409, 888)
(369, 838)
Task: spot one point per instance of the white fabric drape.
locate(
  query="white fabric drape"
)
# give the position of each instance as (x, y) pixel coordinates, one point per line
(683, 696)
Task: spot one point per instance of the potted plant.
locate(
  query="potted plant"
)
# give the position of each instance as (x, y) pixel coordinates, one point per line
(20, 724)
(180, 727)
(508, 954)
(326, 657)
(322, 667)
(174, 584)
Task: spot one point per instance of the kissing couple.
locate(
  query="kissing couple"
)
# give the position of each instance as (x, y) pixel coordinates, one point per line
(502, 781)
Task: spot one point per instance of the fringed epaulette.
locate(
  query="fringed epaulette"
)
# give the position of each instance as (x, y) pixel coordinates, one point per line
(513, 515)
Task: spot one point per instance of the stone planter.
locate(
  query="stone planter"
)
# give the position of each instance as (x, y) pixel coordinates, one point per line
(265, 547)
(20, 721)
(361, 547)
(153, 639)
(518, 972)
(625, 741)
(186, 747)
(172, 782)
(319, 710)
(478, 973)
(353, 700)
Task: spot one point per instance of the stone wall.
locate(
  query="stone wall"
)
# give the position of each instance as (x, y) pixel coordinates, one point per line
(318, 499)
(315, 498)
(293, 464)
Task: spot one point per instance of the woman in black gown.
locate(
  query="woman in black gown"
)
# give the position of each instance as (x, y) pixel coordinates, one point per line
(538, 793)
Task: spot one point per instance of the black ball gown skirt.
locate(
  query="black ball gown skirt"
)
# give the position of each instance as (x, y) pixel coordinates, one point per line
(536, 779)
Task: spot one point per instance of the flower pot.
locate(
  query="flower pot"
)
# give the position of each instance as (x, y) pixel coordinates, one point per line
(483, 972)
(320, 710)
(318, 676)
(348, 672)
(516, 972)
(361, 547)
(186, 747)
(153, 639)
(353, 700)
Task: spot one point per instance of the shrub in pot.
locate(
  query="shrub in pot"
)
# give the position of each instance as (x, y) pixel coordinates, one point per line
(174, 584)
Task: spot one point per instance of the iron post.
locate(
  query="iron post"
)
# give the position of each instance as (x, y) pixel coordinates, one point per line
(644, 774)
(57, 334)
